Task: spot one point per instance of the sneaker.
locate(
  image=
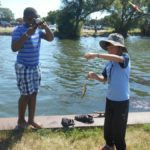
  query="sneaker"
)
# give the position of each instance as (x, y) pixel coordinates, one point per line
(84, 118)
(106, 147)
(67, 122)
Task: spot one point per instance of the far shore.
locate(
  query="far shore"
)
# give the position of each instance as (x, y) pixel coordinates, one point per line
(85, 33)
(6, 30)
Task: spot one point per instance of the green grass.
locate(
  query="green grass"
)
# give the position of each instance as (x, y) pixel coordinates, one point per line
(135, 31)
(137, 138)
(6, 31)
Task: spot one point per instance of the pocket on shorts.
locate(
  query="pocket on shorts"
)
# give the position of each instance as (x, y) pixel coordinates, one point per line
(19, 66)
(37, 74)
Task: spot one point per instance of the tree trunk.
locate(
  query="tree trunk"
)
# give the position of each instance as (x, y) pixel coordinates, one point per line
(122, 30)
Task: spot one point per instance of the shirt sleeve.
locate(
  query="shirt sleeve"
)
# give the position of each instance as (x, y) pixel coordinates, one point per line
(104, 73)
(16, 34)
(126, 61)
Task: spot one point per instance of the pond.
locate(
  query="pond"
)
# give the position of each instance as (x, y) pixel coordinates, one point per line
(64, 72)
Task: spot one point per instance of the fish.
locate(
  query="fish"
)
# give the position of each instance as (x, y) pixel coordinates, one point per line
(84, 89)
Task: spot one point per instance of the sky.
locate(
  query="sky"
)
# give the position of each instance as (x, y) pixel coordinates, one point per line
(99, 15)
(42, 6)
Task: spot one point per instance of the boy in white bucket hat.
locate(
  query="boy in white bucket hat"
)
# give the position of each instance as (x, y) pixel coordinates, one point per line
(116, 73)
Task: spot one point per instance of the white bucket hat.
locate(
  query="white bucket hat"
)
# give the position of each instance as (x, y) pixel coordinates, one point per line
(115, 39)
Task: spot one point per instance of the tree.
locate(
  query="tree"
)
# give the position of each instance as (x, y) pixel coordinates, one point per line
(6, 14)
(52, 16)
(145, 25)
(123, 16)
(74, 13)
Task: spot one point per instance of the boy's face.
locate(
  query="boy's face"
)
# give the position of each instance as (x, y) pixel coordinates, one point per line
(114, 49)
(29, 19)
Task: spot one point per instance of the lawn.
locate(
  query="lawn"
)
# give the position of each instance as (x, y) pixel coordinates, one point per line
(137, 138)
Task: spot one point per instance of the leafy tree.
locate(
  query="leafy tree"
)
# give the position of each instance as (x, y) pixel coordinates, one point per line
(145, 23)
(123, 16)
(6, 14)
(52, 16)
(74, 14)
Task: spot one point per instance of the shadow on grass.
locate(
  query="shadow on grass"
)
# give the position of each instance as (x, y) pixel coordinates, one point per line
(10, 138)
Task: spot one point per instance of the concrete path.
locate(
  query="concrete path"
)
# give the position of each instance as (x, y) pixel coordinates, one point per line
(55, 121)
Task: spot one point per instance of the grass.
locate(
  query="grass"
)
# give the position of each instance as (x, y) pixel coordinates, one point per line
(99, 32)
(6, 31)
(137, 138)
(135, 31)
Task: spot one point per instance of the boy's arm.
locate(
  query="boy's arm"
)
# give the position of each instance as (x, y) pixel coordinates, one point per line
(101, 78)
(110, 57)
(18, 44)
(48, 35)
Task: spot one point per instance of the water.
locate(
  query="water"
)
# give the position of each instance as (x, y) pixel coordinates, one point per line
(63, 74)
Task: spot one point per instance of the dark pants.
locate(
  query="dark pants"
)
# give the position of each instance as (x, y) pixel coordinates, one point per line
(116, 115)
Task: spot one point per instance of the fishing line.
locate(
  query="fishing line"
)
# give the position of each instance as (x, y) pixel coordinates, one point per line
(89, 64)
(84, 88)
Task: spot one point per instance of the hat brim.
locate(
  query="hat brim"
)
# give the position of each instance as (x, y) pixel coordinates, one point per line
(105, 43)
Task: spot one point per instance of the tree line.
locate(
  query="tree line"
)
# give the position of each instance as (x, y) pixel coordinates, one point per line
(75, 13)
(123, 16)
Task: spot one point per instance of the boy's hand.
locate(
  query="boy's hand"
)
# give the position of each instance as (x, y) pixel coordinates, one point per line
(44, 25)
(31, 30)
(90, 55)
(92, 75)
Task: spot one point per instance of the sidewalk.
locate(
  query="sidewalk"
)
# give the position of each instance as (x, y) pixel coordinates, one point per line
(55, 121)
